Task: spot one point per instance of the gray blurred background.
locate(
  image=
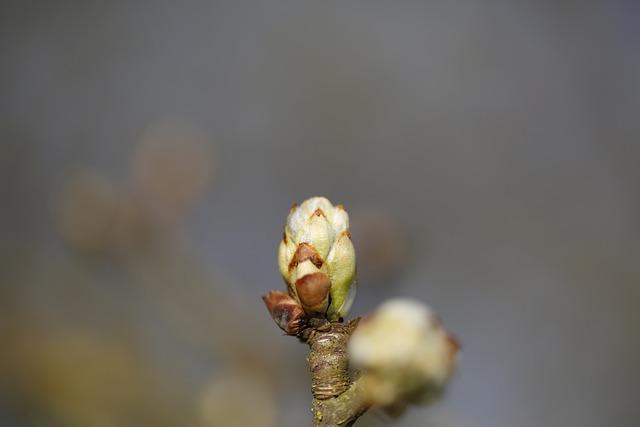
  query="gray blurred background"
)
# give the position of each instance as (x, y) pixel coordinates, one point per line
(487, 152)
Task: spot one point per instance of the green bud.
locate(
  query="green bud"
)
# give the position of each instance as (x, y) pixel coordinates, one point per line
(317, 259)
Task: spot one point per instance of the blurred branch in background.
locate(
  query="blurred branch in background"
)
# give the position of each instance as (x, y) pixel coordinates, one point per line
(487, 150)
(132, 326)
(86, 359)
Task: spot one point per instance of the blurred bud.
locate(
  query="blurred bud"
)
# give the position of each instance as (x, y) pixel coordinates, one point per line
(405, 355)
(286, 312)
(317, 259)
(172, 165)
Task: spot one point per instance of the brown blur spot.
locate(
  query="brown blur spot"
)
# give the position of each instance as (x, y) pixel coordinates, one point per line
(84, 209)
(454, 343)
(172, 165)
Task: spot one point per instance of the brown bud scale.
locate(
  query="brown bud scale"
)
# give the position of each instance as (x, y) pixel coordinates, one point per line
(286, 312)
(313, 292)
(305, 252)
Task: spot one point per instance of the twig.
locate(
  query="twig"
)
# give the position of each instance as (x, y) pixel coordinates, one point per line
(337, 401)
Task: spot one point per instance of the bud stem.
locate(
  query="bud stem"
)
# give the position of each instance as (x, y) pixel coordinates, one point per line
(336, 400)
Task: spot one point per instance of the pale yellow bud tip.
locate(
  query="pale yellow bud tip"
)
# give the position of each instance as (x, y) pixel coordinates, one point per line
(405, 354)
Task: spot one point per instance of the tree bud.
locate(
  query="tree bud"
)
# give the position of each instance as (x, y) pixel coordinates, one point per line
(405, 355)
(317, 259)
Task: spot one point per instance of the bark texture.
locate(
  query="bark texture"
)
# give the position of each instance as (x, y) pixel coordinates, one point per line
(337, 401)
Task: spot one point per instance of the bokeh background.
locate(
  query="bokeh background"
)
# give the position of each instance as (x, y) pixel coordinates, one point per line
(487, 152)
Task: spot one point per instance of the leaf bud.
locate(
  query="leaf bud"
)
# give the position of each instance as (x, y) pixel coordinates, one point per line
(405, 355)
(317, 259)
